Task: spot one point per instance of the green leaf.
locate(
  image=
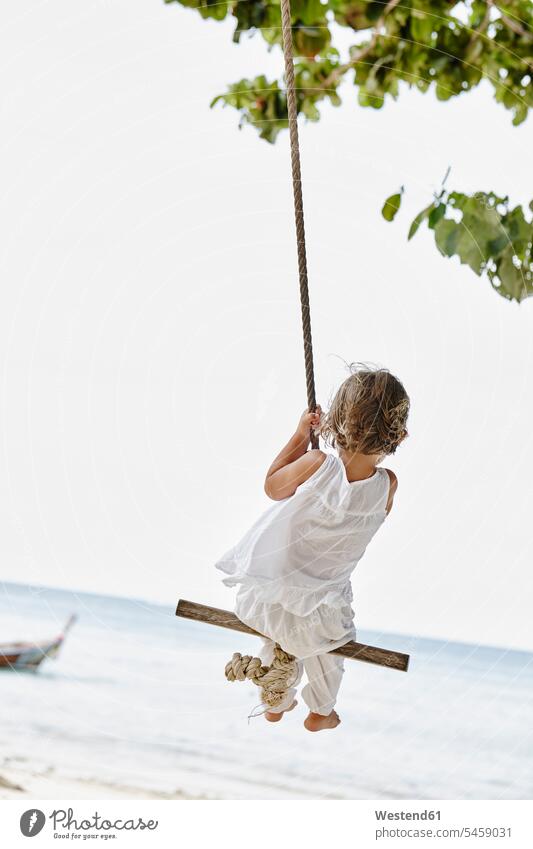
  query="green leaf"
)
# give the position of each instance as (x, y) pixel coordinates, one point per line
(497, 245)
(512, 278)
(447, 234)
(435, 215)
(391, 206)
(422, 26)
(418, 221)
(308, 11)
(468, 249)
(310, 41)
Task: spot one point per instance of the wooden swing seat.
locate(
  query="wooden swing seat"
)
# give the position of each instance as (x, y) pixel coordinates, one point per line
(352, 650)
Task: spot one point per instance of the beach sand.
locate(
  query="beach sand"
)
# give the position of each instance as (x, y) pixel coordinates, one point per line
(136, 707)
(23, 782)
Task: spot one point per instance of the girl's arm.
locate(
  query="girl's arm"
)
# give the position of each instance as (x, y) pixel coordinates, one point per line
(294, 463)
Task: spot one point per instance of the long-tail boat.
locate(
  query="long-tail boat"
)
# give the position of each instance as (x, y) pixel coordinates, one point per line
(31, 655)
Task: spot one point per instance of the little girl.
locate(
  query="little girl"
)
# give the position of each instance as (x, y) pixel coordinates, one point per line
(293, 567)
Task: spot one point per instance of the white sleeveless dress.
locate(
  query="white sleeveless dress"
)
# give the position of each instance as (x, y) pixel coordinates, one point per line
(293, 566)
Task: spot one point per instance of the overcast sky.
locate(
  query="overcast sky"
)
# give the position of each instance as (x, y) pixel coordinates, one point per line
(149, 321)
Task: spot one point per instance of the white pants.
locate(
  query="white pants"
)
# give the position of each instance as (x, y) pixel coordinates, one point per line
(324, 675)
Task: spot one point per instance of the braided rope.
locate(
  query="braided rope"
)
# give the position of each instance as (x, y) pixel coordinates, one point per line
(298, 207)
(276, 679)
(273, 680)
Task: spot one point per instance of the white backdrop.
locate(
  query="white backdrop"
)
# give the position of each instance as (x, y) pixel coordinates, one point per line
(149, 321)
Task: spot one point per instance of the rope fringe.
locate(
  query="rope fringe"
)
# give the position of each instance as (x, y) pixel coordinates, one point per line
(273, 680)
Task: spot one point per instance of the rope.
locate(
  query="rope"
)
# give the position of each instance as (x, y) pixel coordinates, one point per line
(273, 680)
(298, 207)
(276, 679)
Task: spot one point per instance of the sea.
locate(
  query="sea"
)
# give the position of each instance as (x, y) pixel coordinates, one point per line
(138, 697)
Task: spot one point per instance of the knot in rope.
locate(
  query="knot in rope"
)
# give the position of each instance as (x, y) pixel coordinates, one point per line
(273, 680)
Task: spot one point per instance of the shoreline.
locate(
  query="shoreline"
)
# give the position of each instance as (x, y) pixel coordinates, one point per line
(17, 783)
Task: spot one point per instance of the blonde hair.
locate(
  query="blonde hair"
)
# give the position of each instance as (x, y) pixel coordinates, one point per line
(369, 412)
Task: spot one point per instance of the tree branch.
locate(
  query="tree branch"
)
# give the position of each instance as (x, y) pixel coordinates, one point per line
(363, 53)
(513, 25)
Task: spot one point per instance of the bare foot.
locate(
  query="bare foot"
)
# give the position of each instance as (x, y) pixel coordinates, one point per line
(318, 722)
(275, 717)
